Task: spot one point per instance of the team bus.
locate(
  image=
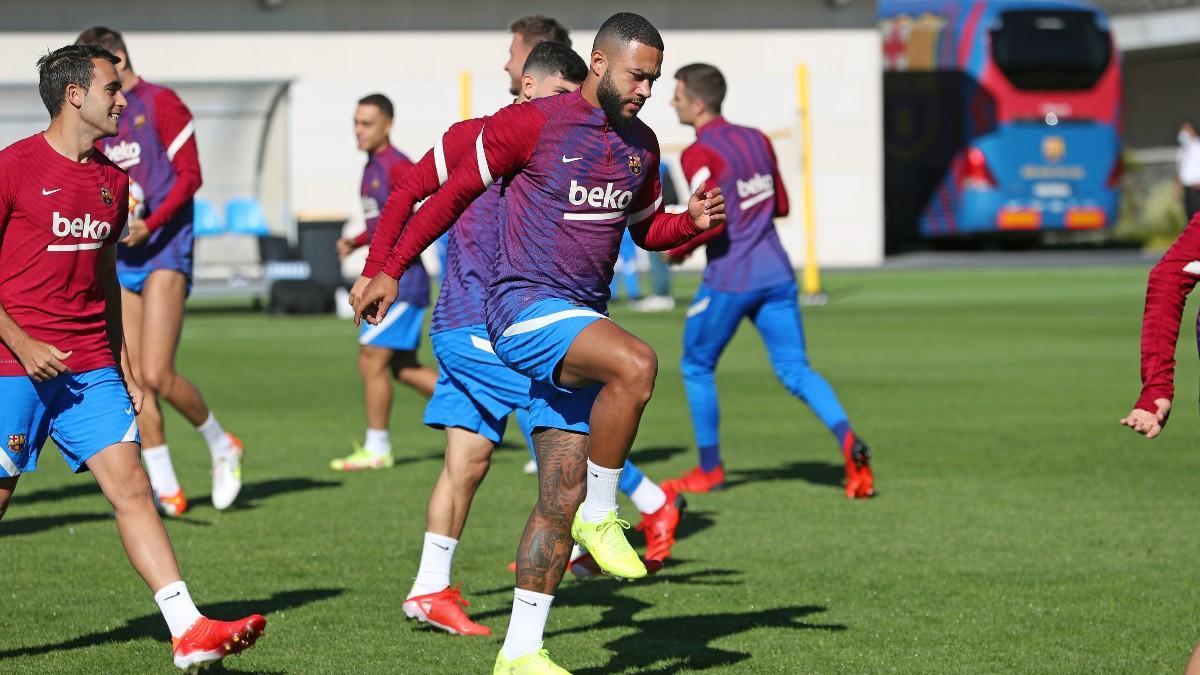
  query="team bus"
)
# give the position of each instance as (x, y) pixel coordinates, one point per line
(1000, 116)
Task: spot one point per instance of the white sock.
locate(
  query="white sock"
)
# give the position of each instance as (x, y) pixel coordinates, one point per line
(161, 471)
(576, 553)
(218, 441)
(530, 610)
(601, 492)
(648, 497)
(378, 442)
(434, 573)
(177, 607)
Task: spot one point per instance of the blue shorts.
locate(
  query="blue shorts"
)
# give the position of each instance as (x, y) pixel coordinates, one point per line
(534, 345)
(400, 329)
(135, 280)
(84, 413)
(475, 390)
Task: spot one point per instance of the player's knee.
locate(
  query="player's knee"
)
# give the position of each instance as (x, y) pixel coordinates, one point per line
(795, 378)
(157, 380)
(131, 490)
(466, 473)
(638, 372)
(693, 368)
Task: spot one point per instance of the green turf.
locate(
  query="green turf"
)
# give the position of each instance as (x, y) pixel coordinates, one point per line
(1018, 527)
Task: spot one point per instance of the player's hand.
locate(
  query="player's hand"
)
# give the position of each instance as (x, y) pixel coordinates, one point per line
(376, 300)
(345, 246)
(136, 395)
(357, 289)
(1149, 424)
(707, 208)
(138, 233)
(42, 361)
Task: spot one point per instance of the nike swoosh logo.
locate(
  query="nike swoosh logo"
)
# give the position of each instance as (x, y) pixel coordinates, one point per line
(444, 548)
(172, 597)
(596, 475)
(566, 160)
(531, 604)
(129, 410)
(47, 193)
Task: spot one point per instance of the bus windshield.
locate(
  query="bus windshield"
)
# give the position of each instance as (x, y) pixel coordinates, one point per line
(1050, 50)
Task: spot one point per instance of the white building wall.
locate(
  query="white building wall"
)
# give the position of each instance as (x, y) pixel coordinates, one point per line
(329, 71)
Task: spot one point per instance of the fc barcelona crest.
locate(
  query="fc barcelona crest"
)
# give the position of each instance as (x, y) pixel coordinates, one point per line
(16, 442)
(635, 165)
(139, 121)
(374, 183)
(106, 195)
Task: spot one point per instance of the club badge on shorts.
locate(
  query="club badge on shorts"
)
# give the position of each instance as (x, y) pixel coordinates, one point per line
(16, 442)
(635, 165)
(106, 195)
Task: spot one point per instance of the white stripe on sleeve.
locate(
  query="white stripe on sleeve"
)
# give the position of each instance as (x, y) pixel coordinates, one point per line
(485, 174)
(184, 134)
(439, 160)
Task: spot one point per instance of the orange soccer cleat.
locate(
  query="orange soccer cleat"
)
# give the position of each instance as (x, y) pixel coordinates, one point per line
(444, 610)
(860, 482)
(697, 480)
(659, 527)
(209, 641)
(171, 506)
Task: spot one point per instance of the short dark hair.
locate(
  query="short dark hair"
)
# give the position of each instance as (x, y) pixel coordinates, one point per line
(67, 65)
(628, 27)
(107, 38)
(704, 82)
(556, 58)
(379, 101)
(535, 29)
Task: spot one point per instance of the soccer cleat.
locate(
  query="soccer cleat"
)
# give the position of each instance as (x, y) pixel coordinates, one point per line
(534, 663)
(444, 610)
(607, 544)
(659, 527)
(171, 506)
(530, 468)
(697, 480)
(209, 641)
(227, 476)
(360, 460)
(860, 481)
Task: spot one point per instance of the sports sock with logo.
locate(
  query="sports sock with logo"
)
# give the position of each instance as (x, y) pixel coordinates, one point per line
(377, 442)
(218, 441)
(528, 623)
(177, 607)
(436, 557)
(601, 492)
(160, 470)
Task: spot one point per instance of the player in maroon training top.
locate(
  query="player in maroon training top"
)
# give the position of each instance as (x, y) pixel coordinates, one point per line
(156, 145)
(1166, 293)
(389, 349)
(62, 205)
(576, 170)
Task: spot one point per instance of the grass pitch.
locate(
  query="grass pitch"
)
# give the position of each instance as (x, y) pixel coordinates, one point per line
(1018, 528)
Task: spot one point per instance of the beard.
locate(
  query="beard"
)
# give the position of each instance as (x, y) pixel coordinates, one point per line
(612, 103)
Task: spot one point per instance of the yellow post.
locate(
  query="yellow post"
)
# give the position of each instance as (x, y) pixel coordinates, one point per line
(812, 274)
(464, 95)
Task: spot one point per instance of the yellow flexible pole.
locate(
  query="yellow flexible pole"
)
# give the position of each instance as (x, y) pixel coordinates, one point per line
(464, 95)
(812, 274)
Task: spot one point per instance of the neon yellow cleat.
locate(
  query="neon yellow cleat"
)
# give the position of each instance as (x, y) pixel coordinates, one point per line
(608, 546)
(534, 663)
(360, 459)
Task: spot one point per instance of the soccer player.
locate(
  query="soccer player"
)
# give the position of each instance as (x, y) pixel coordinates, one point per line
(748, 276)
(389, 349)
(528, 32)
(62, 204)
(1167, 288)
(576, 170)
(156, 146)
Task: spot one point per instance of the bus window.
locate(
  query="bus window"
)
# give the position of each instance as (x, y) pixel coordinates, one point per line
(1050, 50)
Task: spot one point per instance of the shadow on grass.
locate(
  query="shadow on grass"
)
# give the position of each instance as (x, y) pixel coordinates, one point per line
(655, 454)
(151, 625)
(252, 493)
(58, 494)
(674, 643)
(16, 527)
(817, 473)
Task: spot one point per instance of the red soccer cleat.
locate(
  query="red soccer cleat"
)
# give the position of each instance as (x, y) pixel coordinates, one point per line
(209, 641)
(444, 610)
(659, 527)
(697, 480)
(860, 482)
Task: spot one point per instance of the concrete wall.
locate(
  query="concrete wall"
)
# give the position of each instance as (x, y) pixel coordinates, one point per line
(329, 71)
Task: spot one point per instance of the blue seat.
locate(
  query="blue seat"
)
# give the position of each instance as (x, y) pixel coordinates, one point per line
(208, 222)
(245, 216)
